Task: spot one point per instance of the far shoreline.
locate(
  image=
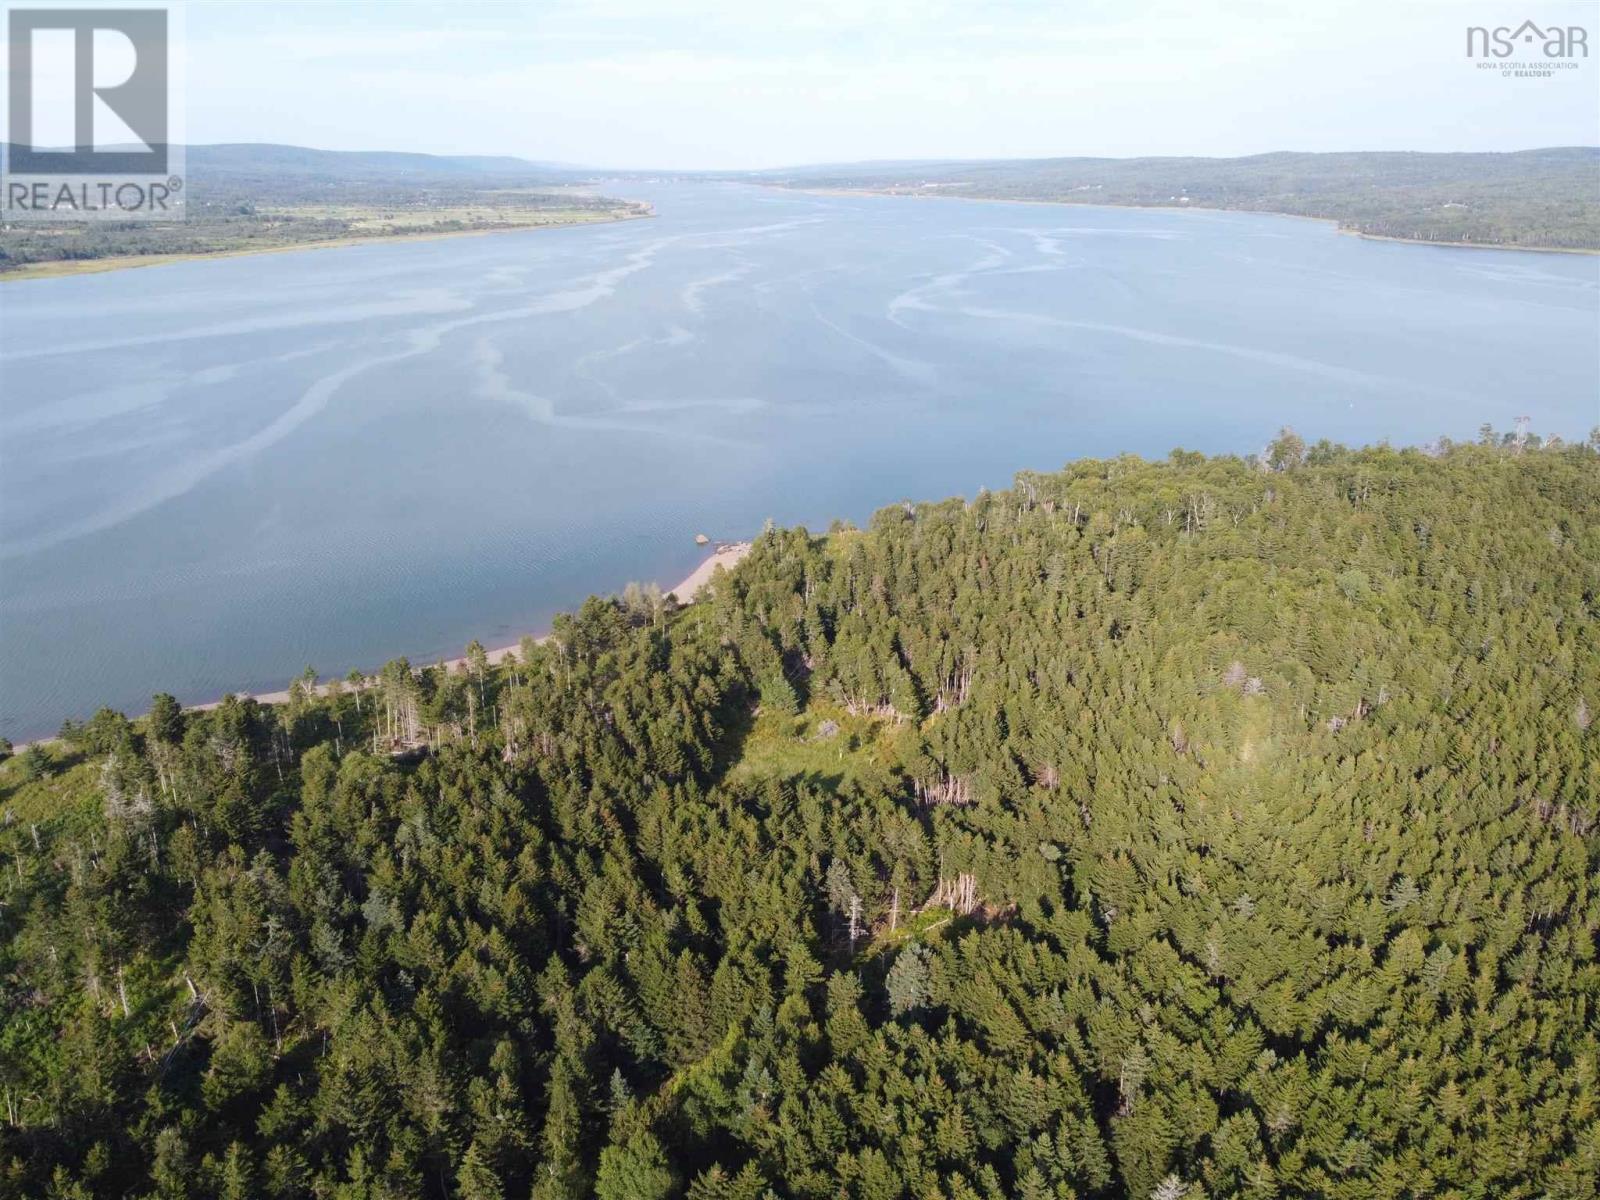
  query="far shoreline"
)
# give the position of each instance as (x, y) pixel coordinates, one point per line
(1208, 208)
(65, 268)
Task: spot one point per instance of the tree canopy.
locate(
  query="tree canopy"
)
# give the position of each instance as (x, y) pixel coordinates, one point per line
(1200, 828)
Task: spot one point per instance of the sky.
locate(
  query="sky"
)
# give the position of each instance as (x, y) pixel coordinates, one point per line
(725, 85)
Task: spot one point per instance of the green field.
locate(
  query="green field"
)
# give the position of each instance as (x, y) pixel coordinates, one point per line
(33, 255)
(251, 199)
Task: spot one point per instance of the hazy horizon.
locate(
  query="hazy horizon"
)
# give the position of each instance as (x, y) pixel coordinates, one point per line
(647, 168)
(621, 85)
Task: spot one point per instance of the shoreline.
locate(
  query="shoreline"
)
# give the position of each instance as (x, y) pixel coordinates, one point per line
(687, 590)
(1404, 241)
(723, 554)
(1252, 212)
(65, 268)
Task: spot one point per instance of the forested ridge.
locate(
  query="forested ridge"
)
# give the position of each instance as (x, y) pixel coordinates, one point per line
(1198, 828)
(1547, 199)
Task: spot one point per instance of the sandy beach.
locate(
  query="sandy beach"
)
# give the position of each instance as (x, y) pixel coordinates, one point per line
(59, 268)
(687, 591)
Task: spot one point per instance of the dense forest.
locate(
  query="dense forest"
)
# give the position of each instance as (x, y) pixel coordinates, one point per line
(1536, 198)
(1196, 828)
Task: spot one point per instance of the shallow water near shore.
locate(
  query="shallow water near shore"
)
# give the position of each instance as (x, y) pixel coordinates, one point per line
(213, 474)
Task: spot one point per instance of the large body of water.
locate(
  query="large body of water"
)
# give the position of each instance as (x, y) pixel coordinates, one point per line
(216, 473)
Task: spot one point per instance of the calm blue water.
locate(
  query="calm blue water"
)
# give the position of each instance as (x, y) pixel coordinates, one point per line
(214, 474)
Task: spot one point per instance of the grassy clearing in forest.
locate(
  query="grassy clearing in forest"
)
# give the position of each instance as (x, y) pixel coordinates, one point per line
(62, 789)
(863, 751)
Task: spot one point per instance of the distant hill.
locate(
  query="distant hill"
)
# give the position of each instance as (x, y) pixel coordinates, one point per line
(232, 161)
(261, 158)
(1533, 199)
(1548, 198)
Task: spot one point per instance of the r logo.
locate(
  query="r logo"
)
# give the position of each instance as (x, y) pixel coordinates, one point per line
(71, 75)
